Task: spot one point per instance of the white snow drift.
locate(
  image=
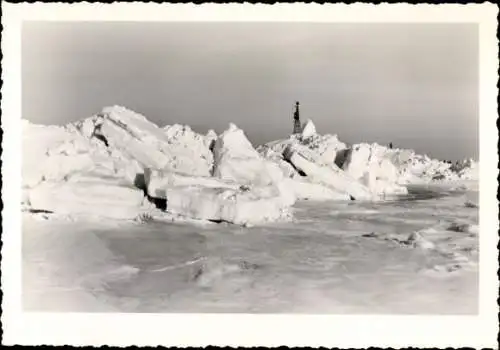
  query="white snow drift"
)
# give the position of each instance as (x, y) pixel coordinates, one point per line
(106, 164)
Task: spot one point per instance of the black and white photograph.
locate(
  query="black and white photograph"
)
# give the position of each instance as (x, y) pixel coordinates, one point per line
(243, 167)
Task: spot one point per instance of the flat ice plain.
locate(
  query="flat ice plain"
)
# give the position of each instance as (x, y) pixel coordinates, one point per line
(333, 258)
(415, 253)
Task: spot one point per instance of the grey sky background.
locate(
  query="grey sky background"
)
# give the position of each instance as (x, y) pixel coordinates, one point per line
(413, 84)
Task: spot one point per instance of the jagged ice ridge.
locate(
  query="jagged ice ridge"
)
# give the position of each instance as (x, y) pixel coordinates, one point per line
(119, 165)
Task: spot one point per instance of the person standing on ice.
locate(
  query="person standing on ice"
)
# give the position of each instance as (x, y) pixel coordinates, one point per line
(296, 119)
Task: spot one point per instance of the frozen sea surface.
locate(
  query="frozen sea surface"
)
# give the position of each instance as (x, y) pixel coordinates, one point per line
(416, 255)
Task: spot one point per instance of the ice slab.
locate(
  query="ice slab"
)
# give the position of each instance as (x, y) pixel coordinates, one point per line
(219, 200)
(330, 176)
(100, 198)
(235, 159)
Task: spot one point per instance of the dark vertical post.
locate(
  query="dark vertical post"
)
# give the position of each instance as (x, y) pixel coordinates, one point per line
(296, 119)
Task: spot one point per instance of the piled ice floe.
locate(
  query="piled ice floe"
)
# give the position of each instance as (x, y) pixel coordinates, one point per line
(467, 169)
(244, 189)
(235, 159)
(370, 170)
(103, 165)
(323, 147)
(133, 138)
(329, 176)
(66, 167)
(217, 200)
(393, 165)
(404, 166)
(66, 173)
(45, 157)
(317, 159)
(118, 164)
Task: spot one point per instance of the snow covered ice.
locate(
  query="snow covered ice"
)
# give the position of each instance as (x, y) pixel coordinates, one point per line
(335, 257)
(121, 214)
(216, 200)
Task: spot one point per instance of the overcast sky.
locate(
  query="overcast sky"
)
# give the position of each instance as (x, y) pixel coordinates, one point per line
(413, 84)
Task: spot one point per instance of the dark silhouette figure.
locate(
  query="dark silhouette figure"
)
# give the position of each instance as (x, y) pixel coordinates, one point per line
(296, 119)
(390, 145)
